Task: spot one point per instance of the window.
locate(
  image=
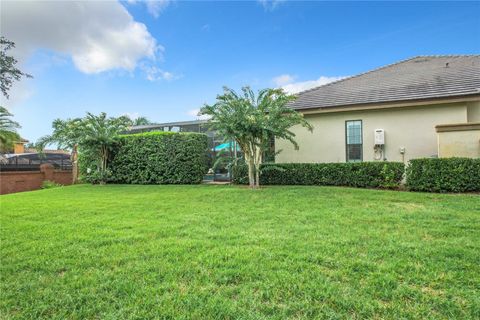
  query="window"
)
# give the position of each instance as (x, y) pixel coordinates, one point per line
(269, 154)
(354, 141)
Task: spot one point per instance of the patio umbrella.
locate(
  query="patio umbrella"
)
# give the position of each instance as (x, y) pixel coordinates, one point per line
(226, 145)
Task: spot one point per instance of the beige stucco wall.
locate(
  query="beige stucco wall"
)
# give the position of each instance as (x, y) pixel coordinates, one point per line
(459, 144)
(473, 111)
(412, 128)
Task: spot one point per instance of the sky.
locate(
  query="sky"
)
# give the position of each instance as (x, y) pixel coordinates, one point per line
(165, 59)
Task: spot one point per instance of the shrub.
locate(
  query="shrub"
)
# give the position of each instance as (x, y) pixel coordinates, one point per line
(47, 184)
(88, 166)
(240, 173)
(159, 158)
(98, 176)
(444, 175)
(361, 174)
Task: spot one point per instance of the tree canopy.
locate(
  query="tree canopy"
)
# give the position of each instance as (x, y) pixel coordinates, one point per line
(93, 134)
(141, 121)
(9, 72)
(252, 120)
(8, 130)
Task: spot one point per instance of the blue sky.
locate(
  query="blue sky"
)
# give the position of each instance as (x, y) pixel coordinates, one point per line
(168, 58)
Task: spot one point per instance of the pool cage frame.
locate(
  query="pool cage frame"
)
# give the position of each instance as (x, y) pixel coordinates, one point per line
(222, 173)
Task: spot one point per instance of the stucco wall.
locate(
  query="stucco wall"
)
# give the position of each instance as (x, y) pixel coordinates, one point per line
(459, 144)
(412, 128)
(473, 111)
(19, 147)
(459, 140)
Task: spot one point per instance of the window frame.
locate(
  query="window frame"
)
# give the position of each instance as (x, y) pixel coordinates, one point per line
(347, 144)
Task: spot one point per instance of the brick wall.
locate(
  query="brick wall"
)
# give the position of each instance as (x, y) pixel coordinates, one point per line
(18, 181)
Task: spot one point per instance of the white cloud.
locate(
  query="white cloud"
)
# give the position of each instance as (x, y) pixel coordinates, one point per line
(270, 5)
(98, 35)
(296, 87)
(283, 79)
(154, 73)
(194, 113)
(19, 92)
(131, 115)
(154, 7)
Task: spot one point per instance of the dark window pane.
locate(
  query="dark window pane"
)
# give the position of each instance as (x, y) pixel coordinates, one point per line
(354, 152)
(354, 140)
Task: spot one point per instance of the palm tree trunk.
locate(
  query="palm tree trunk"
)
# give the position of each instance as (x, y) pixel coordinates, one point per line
(103, 164)
(74, 164)
(258, 161)
(249, 159)
(251, 172)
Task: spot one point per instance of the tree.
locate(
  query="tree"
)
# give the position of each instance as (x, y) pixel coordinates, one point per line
(252, 120)
(99, 133)
(91, 134)
(9, 72)
(141, 121)
(8, 130)
(66, 135)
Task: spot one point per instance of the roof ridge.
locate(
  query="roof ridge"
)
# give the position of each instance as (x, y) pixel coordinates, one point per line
(447, 55)
(383, 67)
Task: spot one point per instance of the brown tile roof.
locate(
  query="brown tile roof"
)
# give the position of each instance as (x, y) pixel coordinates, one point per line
(422, 77)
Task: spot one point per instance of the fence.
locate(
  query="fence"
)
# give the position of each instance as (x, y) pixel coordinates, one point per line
(17, 181)
(33, 161)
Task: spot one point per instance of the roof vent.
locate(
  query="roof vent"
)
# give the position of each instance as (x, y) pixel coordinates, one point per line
(446, 65)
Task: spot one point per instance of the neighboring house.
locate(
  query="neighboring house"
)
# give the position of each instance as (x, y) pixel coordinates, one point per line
(19, 146)
(427, 106)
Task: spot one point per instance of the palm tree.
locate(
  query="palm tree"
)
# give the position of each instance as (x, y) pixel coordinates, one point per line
(92, 134)
(8, 130)
(66, 135)
(99, 133)
(252, 120)
(141, 121)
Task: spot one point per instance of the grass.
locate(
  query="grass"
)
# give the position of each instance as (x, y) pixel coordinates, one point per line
(223, 252)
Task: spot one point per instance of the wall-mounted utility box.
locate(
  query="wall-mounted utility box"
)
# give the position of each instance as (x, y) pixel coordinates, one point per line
(379, 137)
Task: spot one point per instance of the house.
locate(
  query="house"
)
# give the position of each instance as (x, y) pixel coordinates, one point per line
(19, 146)
(426, 106)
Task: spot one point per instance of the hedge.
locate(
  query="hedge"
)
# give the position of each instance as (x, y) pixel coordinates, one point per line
(154, 158)
(360, 174)
(444, 175)
(159, 158)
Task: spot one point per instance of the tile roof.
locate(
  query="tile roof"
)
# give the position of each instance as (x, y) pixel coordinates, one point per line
(422, 77)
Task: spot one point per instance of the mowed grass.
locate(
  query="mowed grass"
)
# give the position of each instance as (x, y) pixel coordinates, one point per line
(226, 252)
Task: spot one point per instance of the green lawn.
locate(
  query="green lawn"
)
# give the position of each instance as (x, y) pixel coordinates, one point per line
(225, 252)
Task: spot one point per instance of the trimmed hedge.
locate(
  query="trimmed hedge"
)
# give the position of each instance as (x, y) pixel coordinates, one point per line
(444, 175)
(159, 158)
(360, 174)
